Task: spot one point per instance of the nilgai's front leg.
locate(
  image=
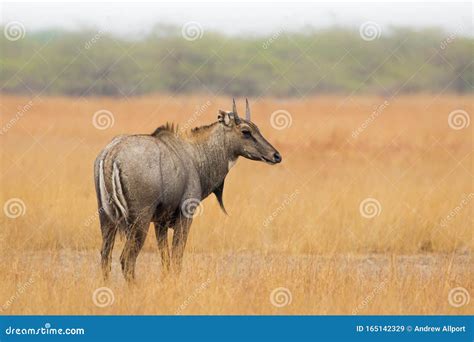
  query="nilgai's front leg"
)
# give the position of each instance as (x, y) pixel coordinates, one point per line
(161, 232)
(181, 231)
(135, 239)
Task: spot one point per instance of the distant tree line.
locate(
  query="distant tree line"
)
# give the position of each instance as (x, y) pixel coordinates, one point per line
(283, 63)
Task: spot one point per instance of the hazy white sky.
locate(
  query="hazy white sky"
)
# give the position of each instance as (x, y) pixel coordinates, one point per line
(134, 18)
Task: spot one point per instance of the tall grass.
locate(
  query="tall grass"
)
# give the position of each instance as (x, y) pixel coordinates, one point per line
(297, 225)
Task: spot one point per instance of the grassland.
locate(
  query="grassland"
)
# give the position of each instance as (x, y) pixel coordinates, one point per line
(297, 225)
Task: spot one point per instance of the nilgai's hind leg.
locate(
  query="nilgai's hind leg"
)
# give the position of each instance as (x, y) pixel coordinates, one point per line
(180, 236)
(161, 232)
(136, 236)
(109, 230)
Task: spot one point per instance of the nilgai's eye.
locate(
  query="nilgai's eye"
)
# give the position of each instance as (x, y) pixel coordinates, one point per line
(246, 133)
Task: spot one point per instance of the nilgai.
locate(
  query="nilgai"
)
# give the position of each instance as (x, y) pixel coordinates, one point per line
(162, 178)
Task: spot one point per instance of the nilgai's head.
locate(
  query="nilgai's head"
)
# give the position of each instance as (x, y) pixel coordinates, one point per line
(245, 137)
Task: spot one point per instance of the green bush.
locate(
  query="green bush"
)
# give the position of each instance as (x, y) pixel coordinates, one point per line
(281, 64)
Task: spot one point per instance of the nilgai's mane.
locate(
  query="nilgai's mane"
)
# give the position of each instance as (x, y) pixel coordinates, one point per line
(172, 128)
(167, 127)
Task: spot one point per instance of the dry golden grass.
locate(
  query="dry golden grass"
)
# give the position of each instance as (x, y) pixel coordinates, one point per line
(317, 244)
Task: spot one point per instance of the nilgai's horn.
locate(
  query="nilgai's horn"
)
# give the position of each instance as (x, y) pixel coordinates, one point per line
(234, 110)
(247, 110)
(234, 107)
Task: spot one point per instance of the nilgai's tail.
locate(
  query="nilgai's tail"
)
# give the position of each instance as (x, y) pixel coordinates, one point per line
(114, 203)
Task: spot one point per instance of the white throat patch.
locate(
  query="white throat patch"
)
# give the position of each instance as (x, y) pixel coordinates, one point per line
(231, 164)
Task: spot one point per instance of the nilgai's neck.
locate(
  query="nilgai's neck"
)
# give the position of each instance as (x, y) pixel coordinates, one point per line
(213, 156)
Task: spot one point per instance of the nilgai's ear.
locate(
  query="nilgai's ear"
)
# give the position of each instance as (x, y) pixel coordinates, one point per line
(224, 117)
